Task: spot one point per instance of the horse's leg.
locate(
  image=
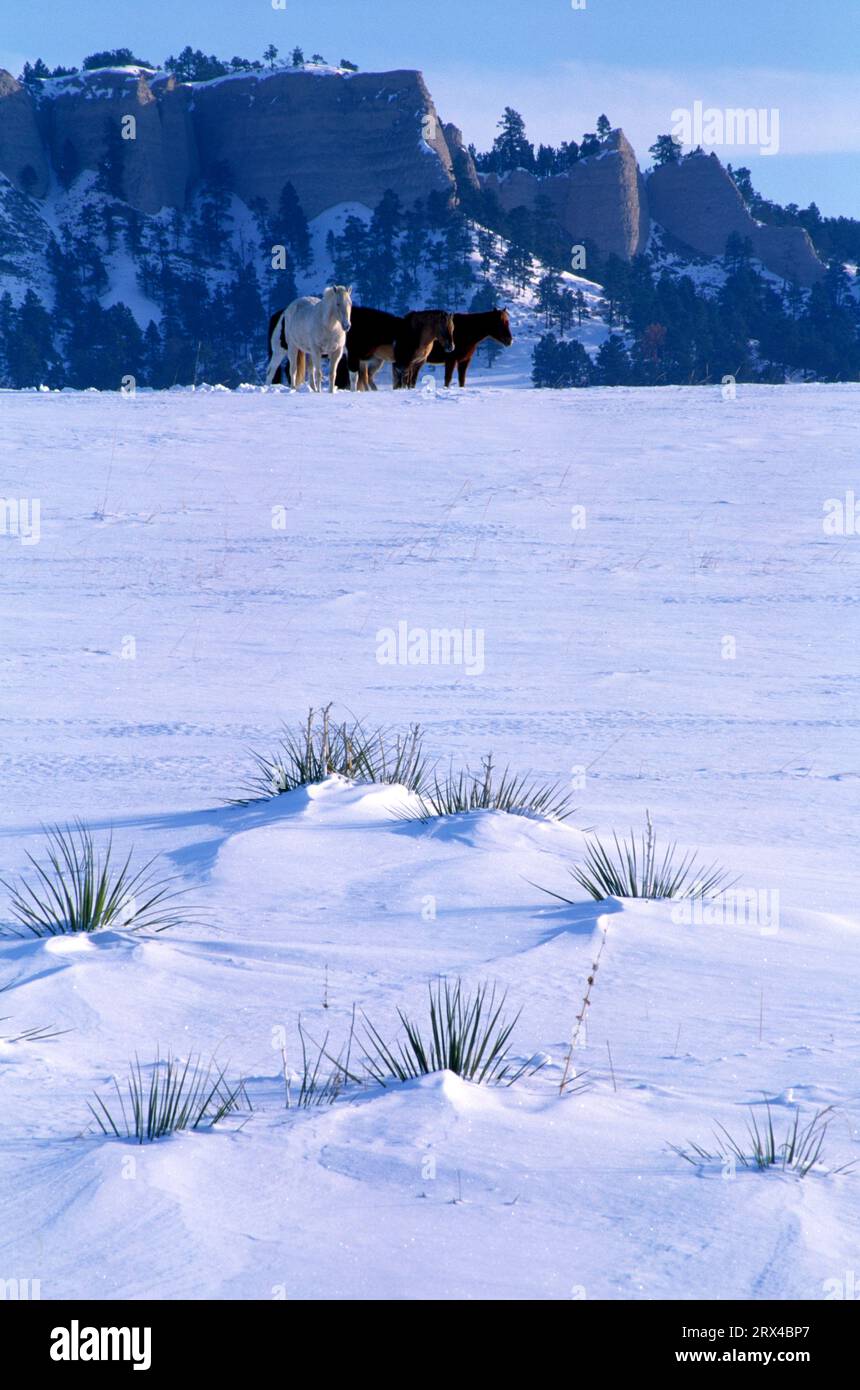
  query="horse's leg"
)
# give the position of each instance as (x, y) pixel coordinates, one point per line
(373, 367)
(275, 364)
(316, 369)
(450, 364)
(462, 369)
(333, 364)
(343, 382)
(402, 362)
(296, 366)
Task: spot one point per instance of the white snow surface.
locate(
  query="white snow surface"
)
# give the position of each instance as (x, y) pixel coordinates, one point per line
(604, 651)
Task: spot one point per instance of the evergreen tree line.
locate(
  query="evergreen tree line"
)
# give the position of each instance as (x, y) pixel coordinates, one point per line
(215, 288)
(191, 65)
(832, 237)
(512, 149)
(668, 332)
(387, 260)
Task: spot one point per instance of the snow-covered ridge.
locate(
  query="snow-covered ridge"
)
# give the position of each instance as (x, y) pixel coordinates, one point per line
(52, 86)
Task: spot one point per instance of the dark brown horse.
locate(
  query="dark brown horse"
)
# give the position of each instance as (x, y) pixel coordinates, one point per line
(469, 331)
(421, 333)
(369, 343)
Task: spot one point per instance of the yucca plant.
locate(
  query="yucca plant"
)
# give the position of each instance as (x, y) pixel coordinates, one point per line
(176, 1095)
(322, 1078)
(798, 1152)
(636, 870)
(322, 747)
(486, 791)
(83, 889)
(466, 1034)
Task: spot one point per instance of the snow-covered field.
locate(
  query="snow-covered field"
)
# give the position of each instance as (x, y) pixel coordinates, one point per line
(209, 565)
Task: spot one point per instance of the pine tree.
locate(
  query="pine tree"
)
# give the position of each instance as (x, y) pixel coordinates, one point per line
(613, 363)
(150, 371)
(246, 312)
(290, 227)
(349, 252)
(545, 161)
(31, 352)
(558, 364)
(548, 295)
(511, 149)
(616, 280)
(377, 275)
(665, 150)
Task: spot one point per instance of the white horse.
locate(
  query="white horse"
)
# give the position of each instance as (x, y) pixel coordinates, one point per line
(310, 329)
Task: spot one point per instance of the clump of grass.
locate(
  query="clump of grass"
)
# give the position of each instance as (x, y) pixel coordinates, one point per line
(83, 889)
(798, 1152)
(467, 1034)
(322, 747)
(322, 1078)
(176, 1095)
(636, 870)
(487, 791)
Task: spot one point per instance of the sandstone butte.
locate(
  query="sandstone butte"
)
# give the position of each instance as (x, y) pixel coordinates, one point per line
(341, 137)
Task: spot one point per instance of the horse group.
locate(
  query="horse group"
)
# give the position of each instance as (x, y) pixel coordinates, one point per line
(358, 341)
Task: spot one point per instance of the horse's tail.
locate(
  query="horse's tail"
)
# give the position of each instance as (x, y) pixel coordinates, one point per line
(275, 321)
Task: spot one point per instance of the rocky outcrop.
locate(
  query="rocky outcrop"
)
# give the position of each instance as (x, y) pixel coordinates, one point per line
(22, 153)
(697, 202)
(601, 199)
(348, 137)
(337, 137)
(462, 163)
(159, 159)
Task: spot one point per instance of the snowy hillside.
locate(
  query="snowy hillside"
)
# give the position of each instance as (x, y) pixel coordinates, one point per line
(513, 366)
(204, 566)
(124, 269)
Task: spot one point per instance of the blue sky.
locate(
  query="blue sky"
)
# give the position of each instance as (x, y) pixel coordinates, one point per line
(635, 60)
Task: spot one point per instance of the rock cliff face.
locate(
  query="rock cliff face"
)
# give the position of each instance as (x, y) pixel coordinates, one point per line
(462, 163)
(158, 163)
(349, 137)
(601, 198)
(697, 202)
(337, 136)
(21, 147)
